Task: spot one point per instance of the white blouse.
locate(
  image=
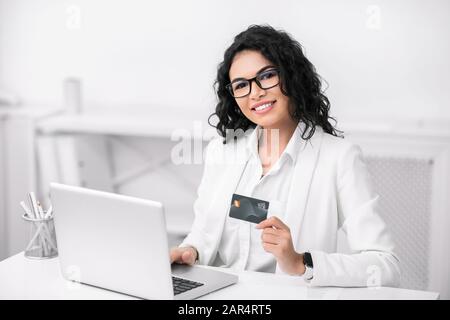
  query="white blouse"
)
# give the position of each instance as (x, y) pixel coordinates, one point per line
(273, 187)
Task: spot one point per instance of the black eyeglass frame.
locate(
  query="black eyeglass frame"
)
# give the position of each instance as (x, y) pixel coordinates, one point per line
(255, 78)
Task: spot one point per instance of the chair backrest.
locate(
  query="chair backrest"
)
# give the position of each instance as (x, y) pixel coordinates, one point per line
(405, 186)
(412, 177)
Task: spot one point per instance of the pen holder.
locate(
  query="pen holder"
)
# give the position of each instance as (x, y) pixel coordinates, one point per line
(42, 238)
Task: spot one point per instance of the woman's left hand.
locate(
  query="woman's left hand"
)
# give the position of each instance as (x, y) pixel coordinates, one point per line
(276, 239)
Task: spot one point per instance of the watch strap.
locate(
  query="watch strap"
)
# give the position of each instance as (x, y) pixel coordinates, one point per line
(307, 260)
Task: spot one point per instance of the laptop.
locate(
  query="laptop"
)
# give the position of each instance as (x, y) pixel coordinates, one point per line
(119, 243)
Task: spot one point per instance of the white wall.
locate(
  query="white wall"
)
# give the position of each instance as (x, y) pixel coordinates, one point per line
(381, 58)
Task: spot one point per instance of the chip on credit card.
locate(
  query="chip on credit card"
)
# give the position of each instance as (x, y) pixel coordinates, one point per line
(248, 209)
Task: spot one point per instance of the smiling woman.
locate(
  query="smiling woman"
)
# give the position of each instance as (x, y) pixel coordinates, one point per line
(284, 76)
(293, 157)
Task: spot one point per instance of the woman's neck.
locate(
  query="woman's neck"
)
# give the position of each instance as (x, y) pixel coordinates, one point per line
(275, 140)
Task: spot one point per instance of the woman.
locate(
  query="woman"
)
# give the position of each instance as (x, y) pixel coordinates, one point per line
(278, 145)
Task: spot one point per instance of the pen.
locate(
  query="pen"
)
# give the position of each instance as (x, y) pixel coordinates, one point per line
(49, 212)
(41, 212)
(27, 210)
(43, 237)
(34, 205)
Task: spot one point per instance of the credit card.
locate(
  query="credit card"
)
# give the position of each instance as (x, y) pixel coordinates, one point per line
(248, 209)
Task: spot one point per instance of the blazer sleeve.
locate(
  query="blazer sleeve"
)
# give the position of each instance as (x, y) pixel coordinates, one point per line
(372, 261)
(200, 236)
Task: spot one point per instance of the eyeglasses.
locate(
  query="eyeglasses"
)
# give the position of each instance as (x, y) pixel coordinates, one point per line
(265, 79)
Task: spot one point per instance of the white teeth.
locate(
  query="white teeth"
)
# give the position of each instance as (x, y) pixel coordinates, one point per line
(264, 106)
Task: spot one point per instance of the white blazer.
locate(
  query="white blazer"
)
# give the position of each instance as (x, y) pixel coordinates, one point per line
(331, 189)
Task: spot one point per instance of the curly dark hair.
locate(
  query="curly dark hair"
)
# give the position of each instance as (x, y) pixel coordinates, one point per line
(299, 81)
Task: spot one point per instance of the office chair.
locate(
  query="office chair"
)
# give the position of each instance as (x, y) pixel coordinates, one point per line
(412, 177)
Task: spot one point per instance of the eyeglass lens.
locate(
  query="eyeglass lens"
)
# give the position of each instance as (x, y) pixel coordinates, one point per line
(265, 80)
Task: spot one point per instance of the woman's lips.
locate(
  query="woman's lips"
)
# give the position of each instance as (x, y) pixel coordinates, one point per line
(265, 109)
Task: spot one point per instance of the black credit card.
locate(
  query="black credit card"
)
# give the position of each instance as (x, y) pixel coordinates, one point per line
(248, 209)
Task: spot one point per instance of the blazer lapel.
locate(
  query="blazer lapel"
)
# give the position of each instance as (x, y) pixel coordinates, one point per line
(300, 185)
(222, 198)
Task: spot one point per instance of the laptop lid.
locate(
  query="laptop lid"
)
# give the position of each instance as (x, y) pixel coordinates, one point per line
(112, 241)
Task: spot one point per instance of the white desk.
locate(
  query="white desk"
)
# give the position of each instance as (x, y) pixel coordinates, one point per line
(22, 278)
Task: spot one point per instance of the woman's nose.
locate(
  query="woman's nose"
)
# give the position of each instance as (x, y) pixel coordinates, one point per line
(255, 91)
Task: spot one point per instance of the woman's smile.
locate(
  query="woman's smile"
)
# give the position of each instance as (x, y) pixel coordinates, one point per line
(263, 107)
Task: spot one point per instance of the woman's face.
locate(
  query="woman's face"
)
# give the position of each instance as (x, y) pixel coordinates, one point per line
(265, 107)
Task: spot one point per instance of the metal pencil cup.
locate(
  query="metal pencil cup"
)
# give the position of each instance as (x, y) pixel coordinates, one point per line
(42, 238)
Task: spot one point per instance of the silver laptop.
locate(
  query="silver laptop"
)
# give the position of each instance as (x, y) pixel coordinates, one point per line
(120, 243)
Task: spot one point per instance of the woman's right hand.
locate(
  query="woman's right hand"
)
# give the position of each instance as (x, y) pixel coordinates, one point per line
(185, 255)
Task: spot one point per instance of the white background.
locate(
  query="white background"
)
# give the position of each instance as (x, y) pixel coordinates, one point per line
(380, 58)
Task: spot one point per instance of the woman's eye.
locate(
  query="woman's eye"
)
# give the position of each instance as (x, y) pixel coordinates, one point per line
(239, 85)
(267, 75)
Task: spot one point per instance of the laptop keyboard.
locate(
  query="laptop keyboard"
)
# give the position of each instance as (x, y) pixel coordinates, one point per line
(181, 285)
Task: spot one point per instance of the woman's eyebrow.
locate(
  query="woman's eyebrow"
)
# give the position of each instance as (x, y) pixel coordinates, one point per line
(264, 68)
(257, 72)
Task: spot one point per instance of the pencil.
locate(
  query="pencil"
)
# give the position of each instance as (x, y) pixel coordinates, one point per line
(34, 205)
(26, 209)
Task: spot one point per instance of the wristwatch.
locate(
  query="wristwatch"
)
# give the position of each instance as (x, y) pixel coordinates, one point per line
(307, 261)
